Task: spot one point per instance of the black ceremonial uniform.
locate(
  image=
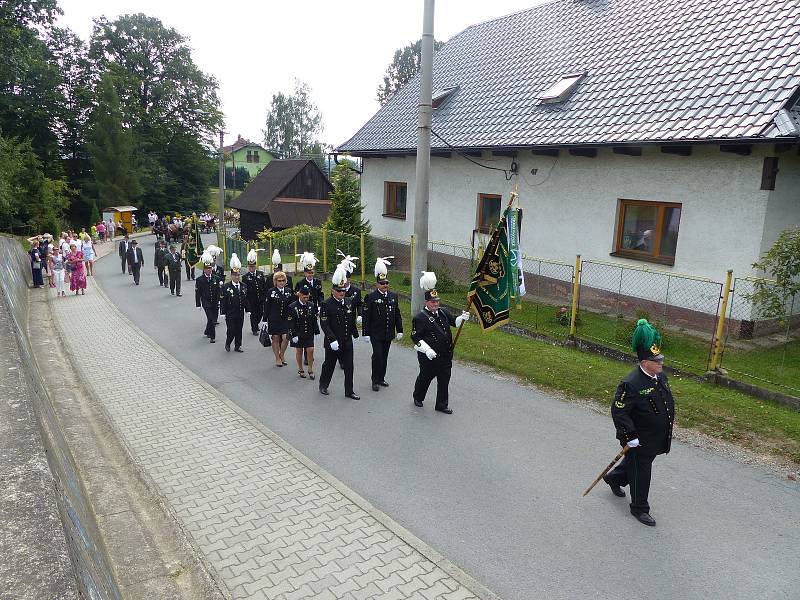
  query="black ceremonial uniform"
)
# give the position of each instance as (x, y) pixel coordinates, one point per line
(173, 262)
(219, 272)
(353, 294)
(256, 286)
(643, 408)
(161, 264)
(276, 309)
(434, 329)
(206, 294)
(303, 324)
(232, 304)
(381, 321)
(338, 322)
(315, 294)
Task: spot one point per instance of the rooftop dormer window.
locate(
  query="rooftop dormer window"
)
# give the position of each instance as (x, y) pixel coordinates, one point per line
(561, 89)
(440, 96)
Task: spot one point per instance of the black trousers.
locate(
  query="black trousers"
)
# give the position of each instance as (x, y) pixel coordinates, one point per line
(234, 333)
(329, 366)
(162, 275)
(255, 317)
(125, 266)
(136, 268)
(189, 272)
(438, 368)
(380, 354)
(635, 469)
(211, 318)
(175, 282)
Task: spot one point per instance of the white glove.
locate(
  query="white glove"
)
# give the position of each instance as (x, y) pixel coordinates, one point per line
(633, 443)
(295, 339)
(365, 338)
(423, 347)
(398, 337)
(358, 320)
(462, 318)
(335, 345)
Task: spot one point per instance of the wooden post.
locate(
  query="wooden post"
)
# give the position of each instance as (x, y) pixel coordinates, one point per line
(573, 319)
(295, 253)
(717, 355)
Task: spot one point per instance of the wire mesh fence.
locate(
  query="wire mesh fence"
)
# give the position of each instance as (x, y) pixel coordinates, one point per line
(548, 296)
(759, 348)
(683, 308)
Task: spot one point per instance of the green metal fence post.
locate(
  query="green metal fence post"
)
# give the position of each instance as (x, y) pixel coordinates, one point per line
(715, 358)
(295, 253)
(573, 320)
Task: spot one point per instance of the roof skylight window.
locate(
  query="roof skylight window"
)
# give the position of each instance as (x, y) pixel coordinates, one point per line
(440, 96)
(561, 89)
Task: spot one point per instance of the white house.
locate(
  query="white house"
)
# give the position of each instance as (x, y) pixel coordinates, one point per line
(649, 132)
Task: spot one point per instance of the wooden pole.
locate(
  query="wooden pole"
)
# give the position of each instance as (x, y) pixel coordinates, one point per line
(608, 468)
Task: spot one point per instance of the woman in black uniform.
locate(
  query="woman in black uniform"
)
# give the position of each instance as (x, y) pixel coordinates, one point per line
(303, 326)
(276, 313)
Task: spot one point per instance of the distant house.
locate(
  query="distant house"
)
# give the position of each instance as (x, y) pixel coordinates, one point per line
(651, 132)
(284, 194)
(244, 153)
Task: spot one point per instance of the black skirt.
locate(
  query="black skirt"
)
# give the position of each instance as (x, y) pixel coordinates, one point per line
(277, 327)
(303, 342)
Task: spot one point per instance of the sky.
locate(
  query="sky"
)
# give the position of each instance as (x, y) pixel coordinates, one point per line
(257, 49)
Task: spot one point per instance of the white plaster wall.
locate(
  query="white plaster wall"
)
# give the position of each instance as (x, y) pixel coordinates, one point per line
(571, 207)
(783, 204)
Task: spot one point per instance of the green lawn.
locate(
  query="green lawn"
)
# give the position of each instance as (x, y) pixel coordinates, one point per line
(213, 198)
(716, 411)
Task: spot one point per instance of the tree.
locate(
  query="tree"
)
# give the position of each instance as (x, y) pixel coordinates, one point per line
(112, 149)
(782, 263)
(346, 208)
(294, 124)
(403, 68)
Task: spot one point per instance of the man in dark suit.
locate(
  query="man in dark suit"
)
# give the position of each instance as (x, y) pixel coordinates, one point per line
(172, 260)
(233, 304)
(338, 322)
(124, 246)
(160, 264)
(206, 294)
(256, 286)
(135, 260)
(382, 323)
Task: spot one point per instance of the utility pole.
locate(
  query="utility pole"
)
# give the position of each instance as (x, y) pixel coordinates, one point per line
(421, 193)
(221, 240)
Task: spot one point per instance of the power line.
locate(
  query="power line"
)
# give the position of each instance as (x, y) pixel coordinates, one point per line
(509, 173)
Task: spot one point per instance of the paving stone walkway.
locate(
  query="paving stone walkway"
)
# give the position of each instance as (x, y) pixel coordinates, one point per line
(271, 523)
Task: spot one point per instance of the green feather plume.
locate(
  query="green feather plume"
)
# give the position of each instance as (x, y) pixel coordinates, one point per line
(645, 335)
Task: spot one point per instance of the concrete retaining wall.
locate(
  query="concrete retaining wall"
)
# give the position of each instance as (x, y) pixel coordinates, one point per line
(87, 552)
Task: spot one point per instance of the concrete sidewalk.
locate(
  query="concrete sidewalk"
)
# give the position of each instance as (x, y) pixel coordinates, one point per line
(271, 523)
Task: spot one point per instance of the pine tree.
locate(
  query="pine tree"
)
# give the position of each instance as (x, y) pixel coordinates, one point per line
(111, 149)
(346, 207)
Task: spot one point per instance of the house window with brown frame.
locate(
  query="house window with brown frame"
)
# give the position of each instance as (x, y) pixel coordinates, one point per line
(255, 156)
(249, 156)
(395, 199)
(488, 212)
(647, 230)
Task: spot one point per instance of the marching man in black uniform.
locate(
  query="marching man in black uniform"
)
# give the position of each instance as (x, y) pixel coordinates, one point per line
(351, 292)
(277, 265)
(173, 261)
(302, 329)
(644, 413)
(206, 294)
(233, 304)
(219, 270)
(256, 286)
(160, 264)
(309, 261)
(338, 322)
(382, 322)
(431, 333)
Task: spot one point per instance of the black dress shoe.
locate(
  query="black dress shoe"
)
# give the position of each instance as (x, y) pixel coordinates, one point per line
(227, 347)
(645, 518)
(417, 402)
(255, 332)
(172, 293)
(615, 489)
(238, 350)
(213, 341)
(447, 411)
(178, 295)
(324, 391)
(353, 396)
(375, 387)
(383, 383)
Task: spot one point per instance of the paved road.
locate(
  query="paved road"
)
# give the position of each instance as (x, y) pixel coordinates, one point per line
(496, 487)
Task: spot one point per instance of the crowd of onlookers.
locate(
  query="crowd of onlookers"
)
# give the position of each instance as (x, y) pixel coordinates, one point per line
(68, 260)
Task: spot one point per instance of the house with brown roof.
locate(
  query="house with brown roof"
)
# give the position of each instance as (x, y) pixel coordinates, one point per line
(285, 193)
(247, 154)
(657, 133)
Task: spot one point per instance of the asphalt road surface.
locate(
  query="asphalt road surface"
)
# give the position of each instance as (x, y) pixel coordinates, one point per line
(496, 487)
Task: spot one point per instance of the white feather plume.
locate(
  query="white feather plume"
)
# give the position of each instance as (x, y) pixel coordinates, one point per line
(252, 256)
(215, 251)
(307, 259)
(339, 275)
(428, 280)
(235, 262)
(206, 257)
(380, 265)
(276, 257)
(347, 261)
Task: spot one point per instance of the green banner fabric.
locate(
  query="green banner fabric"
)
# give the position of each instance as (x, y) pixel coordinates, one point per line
(194, 245)
(491, 288)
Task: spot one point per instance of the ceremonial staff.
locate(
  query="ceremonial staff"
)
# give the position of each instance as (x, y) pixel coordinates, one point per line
(607, 469)
(514, 195)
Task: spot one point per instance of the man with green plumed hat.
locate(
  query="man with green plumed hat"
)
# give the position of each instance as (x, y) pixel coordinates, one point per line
(643, 412)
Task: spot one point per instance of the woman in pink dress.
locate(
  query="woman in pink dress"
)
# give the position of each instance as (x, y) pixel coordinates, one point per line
(77, 283)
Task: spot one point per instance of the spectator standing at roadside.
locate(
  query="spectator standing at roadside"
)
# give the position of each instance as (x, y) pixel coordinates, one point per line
(88, 254)
(101, 231)
(36, 264)
(77, 280)
(57, 268)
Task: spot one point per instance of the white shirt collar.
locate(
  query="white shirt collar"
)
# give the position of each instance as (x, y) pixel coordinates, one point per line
(654, 377)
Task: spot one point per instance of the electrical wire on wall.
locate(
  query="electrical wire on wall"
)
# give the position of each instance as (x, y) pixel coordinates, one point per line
(509, 173)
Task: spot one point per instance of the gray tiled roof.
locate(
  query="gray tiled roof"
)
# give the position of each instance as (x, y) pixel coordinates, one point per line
(656, 70)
